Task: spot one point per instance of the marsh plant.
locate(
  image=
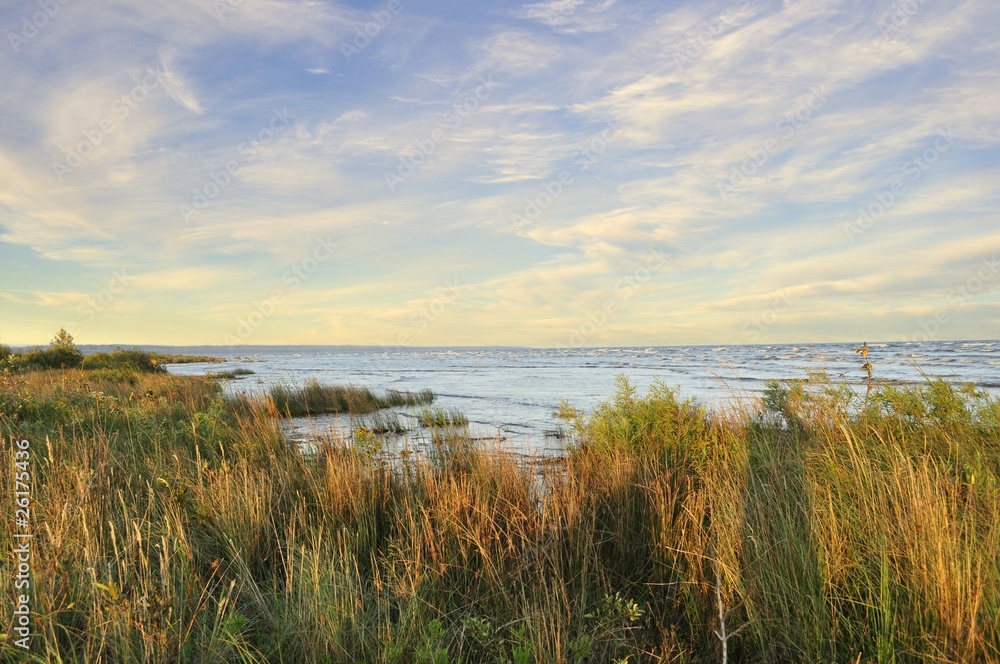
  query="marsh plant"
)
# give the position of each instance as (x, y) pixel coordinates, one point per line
(438, 417)
(173, 523)
(230, 374)
(314, 398)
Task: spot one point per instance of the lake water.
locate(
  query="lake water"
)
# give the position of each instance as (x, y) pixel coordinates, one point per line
(512, 393)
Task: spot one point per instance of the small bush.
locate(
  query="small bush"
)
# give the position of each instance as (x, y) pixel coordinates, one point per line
(655, 426)
(134, 359)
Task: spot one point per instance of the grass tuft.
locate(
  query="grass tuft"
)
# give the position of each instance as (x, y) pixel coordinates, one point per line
(229, 374)
(438, 417)
(314, 398)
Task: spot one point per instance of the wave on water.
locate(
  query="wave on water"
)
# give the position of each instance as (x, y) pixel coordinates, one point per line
(507, 388)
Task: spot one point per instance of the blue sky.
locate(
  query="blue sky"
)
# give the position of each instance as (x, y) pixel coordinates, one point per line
(559, 173)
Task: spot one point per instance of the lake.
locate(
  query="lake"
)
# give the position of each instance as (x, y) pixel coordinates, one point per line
(513, 392)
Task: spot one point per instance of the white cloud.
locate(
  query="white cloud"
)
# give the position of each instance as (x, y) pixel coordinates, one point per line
(175, 86)
(571, 16)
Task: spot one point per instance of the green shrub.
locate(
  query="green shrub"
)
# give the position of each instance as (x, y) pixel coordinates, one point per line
(657, 425)
(134, 359)
(62, 353)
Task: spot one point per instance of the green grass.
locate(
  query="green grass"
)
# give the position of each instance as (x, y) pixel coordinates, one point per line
(438, 417)
(174, 358)
(174, 524)
(228, 374)
(133, 359)
(314, 398)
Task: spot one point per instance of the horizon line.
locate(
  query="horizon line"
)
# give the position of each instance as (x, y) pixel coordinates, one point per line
(502, 346)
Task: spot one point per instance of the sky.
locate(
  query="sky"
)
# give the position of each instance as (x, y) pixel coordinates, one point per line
(561, 173)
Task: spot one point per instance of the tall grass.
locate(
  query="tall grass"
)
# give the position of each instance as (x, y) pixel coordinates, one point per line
(314, 398)
(439, 417)
(229, 374)
(173, 524)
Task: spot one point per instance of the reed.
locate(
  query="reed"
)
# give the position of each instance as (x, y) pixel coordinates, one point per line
(439, 417)
(230, 374)
(314, 398)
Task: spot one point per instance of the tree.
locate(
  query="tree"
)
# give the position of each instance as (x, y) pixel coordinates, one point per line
(62, 352)
(63, 339)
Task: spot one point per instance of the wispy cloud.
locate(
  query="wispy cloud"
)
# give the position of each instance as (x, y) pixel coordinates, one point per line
(175, 86)
(571, 16)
